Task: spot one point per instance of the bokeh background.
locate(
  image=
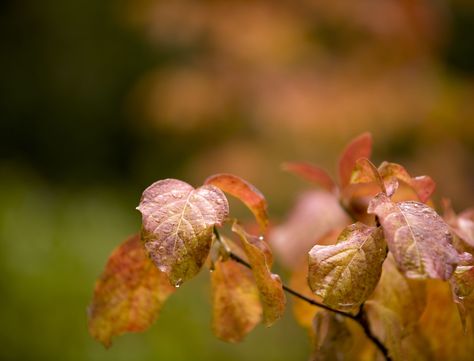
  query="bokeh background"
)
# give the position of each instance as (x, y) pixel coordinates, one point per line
(98, 99)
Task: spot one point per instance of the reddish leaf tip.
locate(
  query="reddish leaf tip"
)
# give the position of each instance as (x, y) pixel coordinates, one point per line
(359, 147)
(245, 192)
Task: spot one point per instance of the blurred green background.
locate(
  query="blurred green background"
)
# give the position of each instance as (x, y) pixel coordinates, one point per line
(100, 99)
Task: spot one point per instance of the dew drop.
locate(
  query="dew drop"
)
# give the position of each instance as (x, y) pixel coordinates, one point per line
(211, 270)
(162, 268)
(261, 238)
(178, 283)
(161, 249)
(176, 194)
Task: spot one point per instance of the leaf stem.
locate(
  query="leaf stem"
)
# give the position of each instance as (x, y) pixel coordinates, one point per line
(360, 317)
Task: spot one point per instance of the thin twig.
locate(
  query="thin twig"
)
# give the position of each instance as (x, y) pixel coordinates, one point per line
(295, 293)
(360, 317)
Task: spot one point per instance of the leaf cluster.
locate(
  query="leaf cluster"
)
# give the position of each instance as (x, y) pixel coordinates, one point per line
(375, 269)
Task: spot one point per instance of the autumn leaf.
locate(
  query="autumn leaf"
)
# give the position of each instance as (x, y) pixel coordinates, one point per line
(332, 338)
(359, 147)
(128, 295)
(244, 191)
(311, 173)
(345, 274)
(417, 236)
(235, 299)
(424, 186)
(269, 285)
(315, 214)
(177, 225)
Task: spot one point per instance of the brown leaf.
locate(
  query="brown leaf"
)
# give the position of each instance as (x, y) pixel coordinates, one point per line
(244, 191)
(236, 308)
(332, 338)
(312, 173)
(177, 225)
(345, 274)
(269, 284)
(315, 214)
(417, 236)
(423, 186)
(128, 295)
(359, 147)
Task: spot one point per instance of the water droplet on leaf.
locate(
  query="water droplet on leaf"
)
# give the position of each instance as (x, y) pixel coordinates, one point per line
(176, 194)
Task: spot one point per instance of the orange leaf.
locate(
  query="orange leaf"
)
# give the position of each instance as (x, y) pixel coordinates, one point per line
(269, 285)
(236, 305)
(128, 295)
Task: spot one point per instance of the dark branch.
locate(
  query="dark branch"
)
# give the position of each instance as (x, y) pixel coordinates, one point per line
(360, 317)
(295, 293)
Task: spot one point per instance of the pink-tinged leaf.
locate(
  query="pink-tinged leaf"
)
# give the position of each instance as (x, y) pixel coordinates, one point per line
(128, 295)
(417, 236)
(236, 307)
(177, 225)
(312, 174)
(359, 147)
(244, 191)
(315, 214)
(462, 286)
(269, 284)
(332, 338)
(424, 186)
(345, 274)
